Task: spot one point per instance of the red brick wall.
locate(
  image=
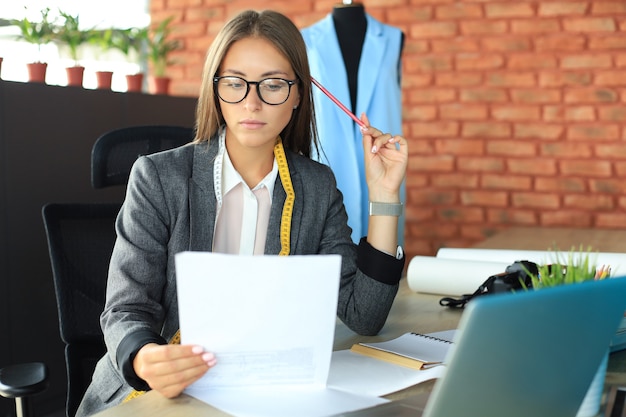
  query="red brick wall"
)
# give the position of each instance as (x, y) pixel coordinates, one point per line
(514, 110)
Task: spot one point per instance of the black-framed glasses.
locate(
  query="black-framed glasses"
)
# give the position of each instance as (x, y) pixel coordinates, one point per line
(272, 91)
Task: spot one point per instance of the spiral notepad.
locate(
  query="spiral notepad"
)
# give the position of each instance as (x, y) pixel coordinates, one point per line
(413, 350)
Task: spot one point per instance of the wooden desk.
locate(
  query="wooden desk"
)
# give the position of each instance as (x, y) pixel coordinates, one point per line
(410, 312)
(564, 239)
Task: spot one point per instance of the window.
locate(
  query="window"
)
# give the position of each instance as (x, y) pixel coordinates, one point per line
(120, 14)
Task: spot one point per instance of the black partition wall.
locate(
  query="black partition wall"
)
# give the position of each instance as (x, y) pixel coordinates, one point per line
(46, 135)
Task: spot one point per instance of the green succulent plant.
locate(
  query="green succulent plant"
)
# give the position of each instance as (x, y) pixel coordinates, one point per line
(129, 40)
(102, 38)
(36, 32)
(570, 268)
(159, 46)
(71, 34)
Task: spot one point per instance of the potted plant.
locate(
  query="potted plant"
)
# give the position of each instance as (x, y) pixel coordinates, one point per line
(159, 48)
(37, 33)
(131, 42)
(103, 40)
(576, 268)
(71, 35)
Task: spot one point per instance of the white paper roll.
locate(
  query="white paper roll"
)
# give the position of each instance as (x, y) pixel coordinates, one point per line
(617, 261)
(455, 277)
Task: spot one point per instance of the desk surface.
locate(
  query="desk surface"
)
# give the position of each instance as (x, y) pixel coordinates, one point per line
(412, 312)
(548, 238)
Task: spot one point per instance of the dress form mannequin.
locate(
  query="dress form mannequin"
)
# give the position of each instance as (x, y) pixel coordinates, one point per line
(347, 35)
(350, 25)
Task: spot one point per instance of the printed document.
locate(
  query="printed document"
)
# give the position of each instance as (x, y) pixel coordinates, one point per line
(270, 321)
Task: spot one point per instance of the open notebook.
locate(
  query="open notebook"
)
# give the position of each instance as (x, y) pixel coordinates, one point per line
(413, 350)
(523, 354)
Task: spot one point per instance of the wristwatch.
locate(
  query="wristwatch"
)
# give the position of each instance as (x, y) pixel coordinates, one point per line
(385, 209)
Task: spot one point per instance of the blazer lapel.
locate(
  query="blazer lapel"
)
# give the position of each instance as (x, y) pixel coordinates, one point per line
(369, 67)
(202, 199)
(337, 130)
(333, 77)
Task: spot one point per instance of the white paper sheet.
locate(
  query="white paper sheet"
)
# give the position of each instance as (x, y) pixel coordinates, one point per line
(292, 401)
(353, 372)
(428, 274)
(270, 320)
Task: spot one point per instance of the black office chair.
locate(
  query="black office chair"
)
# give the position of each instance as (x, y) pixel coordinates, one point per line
(80, 242)
(22, 381)
(114, 153)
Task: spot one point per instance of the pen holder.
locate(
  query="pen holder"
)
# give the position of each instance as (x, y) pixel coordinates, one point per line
(593, 399)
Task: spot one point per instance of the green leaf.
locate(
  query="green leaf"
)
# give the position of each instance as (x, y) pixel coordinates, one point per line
(575, 267)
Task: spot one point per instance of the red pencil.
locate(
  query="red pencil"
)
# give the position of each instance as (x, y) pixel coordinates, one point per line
(338, 103)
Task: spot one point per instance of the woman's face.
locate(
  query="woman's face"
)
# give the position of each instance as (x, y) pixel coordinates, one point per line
(252, 123)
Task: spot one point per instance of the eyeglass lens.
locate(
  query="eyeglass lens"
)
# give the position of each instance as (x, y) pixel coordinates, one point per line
(270, 90)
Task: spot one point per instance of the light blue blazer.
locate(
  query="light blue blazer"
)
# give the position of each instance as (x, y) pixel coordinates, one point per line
(378, 95)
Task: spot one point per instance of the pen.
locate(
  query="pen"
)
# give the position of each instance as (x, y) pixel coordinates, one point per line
(603, 272)
(599, 272)
(338, 103)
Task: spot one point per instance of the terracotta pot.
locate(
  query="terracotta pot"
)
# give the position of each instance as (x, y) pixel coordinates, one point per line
(75, 76)
(37, 72)
(134, 82)
(103, 79)
(159, 85)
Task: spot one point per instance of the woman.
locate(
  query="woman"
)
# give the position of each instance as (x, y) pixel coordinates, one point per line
(245, 185)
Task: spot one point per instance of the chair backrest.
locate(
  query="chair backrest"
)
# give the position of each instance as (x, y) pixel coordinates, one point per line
(80, 242)
(114, 153)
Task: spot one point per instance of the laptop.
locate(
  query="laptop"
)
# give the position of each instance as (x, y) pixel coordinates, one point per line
(522, 354)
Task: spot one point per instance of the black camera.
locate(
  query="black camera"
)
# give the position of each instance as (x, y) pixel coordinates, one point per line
(517, 276)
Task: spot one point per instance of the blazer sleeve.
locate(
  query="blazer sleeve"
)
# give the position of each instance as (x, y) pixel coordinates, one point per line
(369, 278)
(138, 268)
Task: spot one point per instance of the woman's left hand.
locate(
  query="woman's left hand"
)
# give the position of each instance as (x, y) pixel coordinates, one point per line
(386, 159)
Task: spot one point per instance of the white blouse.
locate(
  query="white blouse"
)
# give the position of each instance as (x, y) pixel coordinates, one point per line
(243, 215)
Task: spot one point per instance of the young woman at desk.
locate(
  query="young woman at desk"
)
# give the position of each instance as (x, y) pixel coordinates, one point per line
(246, 178)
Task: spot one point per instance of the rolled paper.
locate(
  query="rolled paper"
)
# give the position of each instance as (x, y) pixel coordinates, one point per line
(616, 261)
(428, 274)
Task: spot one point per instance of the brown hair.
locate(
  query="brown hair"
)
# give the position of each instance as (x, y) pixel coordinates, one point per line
(300, 134)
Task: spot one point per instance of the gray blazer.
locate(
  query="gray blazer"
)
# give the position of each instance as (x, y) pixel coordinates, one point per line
(170, 207)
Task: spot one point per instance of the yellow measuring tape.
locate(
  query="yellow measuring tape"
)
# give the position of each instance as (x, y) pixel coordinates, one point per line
(285, 178)
(285, 226)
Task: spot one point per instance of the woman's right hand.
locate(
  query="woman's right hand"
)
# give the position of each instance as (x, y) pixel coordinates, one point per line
(169, 369)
